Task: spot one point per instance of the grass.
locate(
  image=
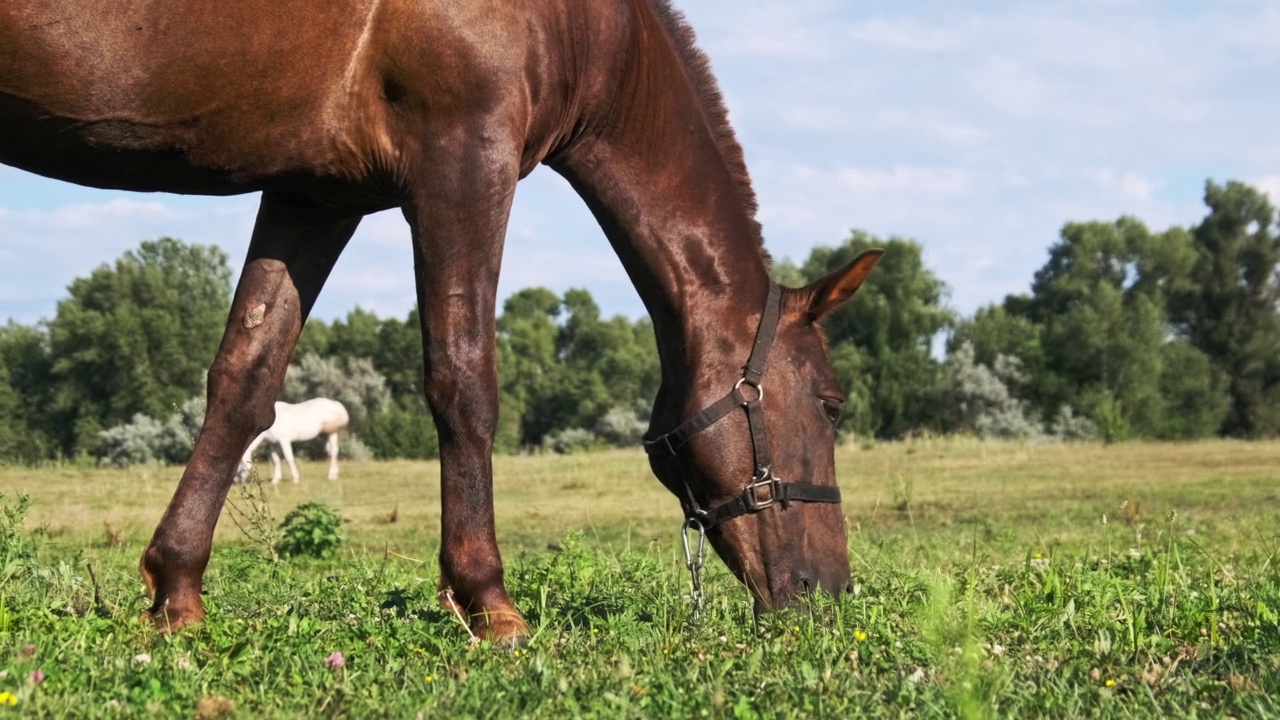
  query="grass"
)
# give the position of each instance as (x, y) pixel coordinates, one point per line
(988, 584)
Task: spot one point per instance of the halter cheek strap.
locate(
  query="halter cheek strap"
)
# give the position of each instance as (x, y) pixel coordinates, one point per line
(765, 489)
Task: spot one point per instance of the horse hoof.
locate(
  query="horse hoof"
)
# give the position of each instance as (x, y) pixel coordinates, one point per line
(508, 631)
(513, 642)
(168, 621)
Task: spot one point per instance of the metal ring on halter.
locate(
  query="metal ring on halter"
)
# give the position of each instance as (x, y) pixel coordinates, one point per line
(737, 390)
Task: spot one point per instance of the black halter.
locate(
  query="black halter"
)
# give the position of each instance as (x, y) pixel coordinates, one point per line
(765, 489)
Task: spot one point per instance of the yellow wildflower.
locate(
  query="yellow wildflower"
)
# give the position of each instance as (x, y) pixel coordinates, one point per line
(1111, 683)
(859, 635)
(8, 698)
(430, 678)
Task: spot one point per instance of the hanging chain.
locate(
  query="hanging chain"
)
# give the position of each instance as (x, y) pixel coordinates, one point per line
(693, 556)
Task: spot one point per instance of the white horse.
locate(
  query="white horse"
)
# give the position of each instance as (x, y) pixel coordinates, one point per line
(299, 423)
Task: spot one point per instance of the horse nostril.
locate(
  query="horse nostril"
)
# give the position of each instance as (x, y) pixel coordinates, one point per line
(805, 584)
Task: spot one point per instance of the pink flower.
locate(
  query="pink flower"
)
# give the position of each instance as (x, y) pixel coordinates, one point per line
(335, 661)
(37, 677)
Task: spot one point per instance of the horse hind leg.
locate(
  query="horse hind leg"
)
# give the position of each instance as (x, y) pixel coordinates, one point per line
(286, 447)
(332, 446)
(294, 246)
(276, 472)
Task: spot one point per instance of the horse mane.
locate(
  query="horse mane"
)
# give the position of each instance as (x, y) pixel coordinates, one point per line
(698, 67)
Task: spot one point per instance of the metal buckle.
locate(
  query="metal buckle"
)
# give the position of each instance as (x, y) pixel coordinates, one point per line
(751, 497)
(693, 557)
(737, 391)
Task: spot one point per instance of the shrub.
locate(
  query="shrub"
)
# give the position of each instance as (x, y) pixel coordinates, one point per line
(353, 382)
(621, 427)
(980, 398)
(570, 440)
(1069, 426)
(311, 529)
(145, 440)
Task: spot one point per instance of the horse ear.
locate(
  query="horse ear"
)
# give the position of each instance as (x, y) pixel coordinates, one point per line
(826, 294)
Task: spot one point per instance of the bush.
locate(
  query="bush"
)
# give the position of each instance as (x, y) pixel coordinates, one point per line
(570, 440)
(621, 427)
(353, 382)
(980, 398)
(145, 440)
(17, 549)
(1069, 426)
(311, 529)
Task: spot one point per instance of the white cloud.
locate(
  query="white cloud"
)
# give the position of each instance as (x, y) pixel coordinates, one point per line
(1269, 184)
(904, 34)
(1129, 184)
(23, 224)
(932, 180)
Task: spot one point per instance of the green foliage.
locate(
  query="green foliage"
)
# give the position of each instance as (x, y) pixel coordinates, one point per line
(1104, 321)
(28, 427)
(563, 367)
(402, 431)
(1195, 392)
(892, 323)
(312, 529)
(136, 337)
(17, 549)
(1228, 308)
(1126, 331)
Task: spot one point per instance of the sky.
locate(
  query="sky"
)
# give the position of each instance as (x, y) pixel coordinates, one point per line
(977, 129)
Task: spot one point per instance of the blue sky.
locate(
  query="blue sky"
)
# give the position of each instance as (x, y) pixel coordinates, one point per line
(976, 128)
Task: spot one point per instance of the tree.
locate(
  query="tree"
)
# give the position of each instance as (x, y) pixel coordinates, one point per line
(890, 373)
(563, 367)
(27, 368)
(137, 337)
(1094, 334)
(1228, 309)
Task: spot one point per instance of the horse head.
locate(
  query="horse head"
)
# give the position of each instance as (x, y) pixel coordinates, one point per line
(754, 467)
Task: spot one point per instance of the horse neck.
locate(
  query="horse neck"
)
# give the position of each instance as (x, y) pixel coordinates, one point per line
(655, 179)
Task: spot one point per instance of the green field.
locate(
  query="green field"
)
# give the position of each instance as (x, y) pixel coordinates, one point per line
(991, 580)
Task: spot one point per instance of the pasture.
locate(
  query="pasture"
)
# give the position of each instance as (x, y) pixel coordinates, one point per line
(991, 580)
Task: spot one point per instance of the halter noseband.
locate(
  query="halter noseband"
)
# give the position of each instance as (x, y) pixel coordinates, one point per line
(765, 489)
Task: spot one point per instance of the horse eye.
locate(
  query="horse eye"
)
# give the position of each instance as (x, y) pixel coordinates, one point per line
(833, 408)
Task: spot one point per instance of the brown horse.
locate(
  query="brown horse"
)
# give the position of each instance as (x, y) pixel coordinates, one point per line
(337, 110)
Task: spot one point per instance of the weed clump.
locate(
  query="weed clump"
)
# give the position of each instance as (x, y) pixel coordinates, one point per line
(312, 529)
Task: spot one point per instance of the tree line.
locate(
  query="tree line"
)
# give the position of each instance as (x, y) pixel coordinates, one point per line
(1125, 333)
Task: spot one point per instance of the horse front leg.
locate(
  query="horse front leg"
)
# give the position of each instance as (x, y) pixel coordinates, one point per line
(295, 243)
(458, 233)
